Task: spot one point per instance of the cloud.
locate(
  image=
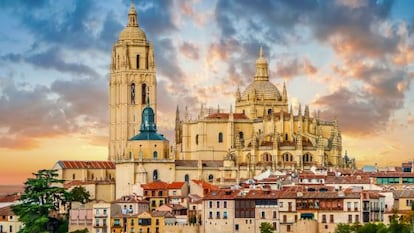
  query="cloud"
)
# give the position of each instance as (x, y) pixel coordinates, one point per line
(190, 50)
(292, 67)
(367, 110)
(32, 113)
(51, 59)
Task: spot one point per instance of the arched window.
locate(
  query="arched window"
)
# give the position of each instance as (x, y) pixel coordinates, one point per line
(286, 137)
(220, 137)
(210, 178)
(196, 139)
(137, 61)
(143, 93)
(155, 154)
(133, 93)
(155, 175)
(241, 135)
(269, 111)
(186, 178)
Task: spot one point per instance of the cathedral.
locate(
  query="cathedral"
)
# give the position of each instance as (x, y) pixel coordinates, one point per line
(261, 133)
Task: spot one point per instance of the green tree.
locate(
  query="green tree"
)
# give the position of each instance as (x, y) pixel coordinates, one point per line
(79, 194)
(39, 204)
(343, 228)
(266, 227)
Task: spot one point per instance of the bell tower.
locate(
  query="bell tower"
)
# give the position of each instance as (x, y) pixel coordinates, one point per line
(132, 73)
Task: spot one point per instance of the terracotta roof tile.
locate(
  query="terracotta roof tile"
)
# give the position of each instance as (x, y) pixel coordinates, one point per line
(6, 211)
(10, 198)
(68, 164)
(176, 185)
(222, 195)
(156, 185)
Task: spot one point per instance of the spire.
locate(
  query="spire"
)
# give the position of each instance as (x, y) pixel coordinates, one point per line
(177, 114)
(307, 111)
(284, 94)
(132, 16)
(261, 68)
(300, 110)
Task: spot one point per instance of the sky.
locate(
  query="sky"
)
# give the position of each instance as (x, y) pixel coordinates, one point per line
(347, 59)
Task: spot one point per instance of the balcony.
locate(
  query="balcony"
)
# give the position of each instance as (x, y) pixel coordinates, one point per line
(100, 225)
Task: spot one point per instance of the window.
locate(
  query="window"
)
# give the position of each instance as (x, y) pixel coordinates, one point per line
(323, 218)
(284, 218)
(196, 139)
(269, 111)
(218, 204)
(236, 227)
(155, 154)
(225, 204)
(288, 228)
(225, 214)
(186, 178)
(349, 218)
(274, 226)
(157, 222)
(357, 218)
(210, 204)
(210, 215)
(356, 206)
(274, 214)
(104, 211)
(218, 215)
(348, 206)
(155, 174)
(73, 176)
(263, 215)
(137, 61)
(11, 229)
(286, 137)
(331, 218)
(132, 94)
(153, 204)
(210, 178)
(132, 222)
(143, 93)
(161, 202)
(130, 209)
(220, 137)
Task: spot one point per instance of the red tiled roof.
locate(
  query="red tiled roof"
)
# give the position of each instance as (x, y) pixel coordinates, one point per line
(218, 115)
(86, 164)
(156, 185)
(176, 185)
(6, 211)
(130, 199)
(222, 195)
(10, 198)
(205, 185)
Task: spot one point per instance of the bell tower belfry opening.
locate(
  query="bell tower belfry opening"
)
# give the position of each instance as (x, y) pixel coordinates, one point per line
(132, 72)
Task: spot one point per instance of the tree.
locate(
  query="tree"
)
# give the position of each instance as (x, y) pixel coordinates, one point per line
(343, 228)
(79, 194)
(266, 227)
(39, 204)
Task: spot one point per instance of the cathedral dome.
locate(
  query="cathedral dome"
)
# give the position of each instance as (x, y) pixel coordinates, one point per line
(132, 31)
(259, 89)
